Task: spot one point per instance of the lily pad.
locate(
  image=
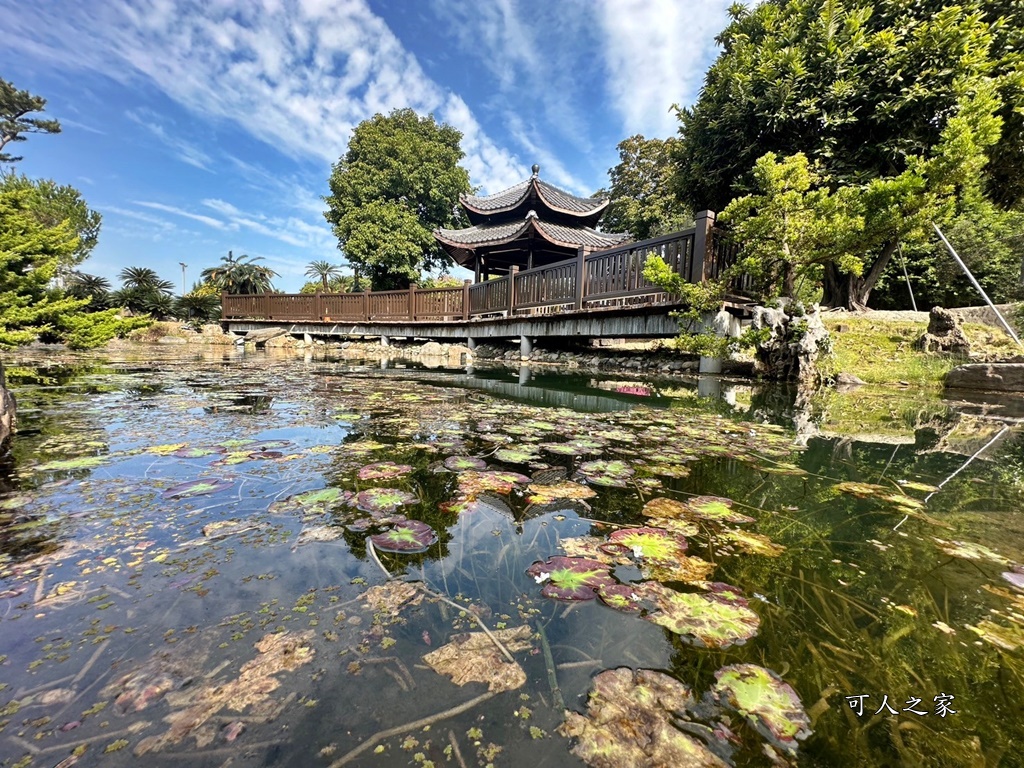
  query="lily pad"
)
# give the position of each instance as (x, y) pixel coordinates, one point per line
(665, 508)
(707, 620)
(472, 482)
(609, 472)
(687, 569)
(81, 462)
(378, 500)
(564, 491)
(571, 578)
(409, 537)
(752, 543)
(766, 701)
(967, 550)
(520, 455)
(577, 447)
(621, 597)
(201, 487)
(463, 463)
(630, 723)
(715, 509)
(650, 543)
(384, 470)
(474, 658)
(196, 451)
(319, 500)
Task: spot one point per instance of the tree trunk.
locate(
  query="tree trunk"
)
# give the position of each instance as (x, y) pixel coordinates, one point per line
(842, 289)
(789, 280)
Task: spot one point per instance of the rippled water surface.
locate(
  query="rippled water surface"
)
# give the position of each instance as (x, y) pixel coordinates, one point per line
(186, 573)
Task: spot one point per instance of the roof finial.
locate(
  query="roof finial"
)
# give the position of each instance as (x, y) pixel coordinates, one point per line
(536, 170)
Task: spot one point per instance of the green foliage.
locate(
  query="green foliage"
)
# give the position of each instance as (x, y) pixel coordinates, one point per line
(198, 307)
(84, 286)
(398, 181)
(441, 281)
(642, 202)
(94, 329)
(15, 108)
(325, 271)
(53, 203)
(240, 275)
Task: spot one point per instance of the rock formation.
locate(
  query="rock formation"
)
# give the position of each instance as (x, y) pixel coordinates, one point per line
(944, 335)
(794, 341)
(8, 408)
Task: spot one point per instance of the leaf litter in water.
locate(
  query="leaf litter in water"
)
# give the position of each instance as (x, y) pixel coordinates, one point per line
(377, 500)
(201, 487)
(708, 620)
(766, 701)
(384, 470)
(611, 472)
(571, 578)
(408, 537)
(473, 657)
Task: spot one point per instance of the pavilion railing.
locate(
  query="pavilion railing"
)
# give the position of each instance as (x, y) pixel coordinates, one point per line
(603, 279)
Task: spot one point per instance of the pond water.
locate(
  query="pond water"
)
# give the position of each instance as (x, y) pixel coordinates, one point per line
(563, 571)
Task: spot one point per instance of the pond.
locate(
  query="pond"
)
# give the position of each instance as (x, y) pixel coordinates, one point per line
(217, 559)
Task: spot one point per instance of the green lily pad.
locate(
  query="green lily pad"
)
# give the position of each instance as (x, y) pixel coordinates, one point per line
(715, 509)
(564, 491)
(707, 620)
(201, 487)
(520, 455)
(384, 470)
(81, 462)
(463, 463)
(319, 500)
(766, 701)
(610, 472)
(686, 568)
(752, 543)
(650, 543)
(377, 500)
(571, 578)
(630, 723)
(196, 451)
(576, 447)
(409, 537)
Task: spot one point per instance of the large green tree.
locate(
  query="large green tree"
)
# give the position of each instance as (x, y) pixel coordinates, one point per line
(399, 180)
(642, 202)
(903, 102)
(16, 106)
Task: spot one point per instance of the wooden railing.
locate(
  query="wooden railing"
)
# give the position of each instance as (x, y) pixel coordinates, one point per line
(603, 279)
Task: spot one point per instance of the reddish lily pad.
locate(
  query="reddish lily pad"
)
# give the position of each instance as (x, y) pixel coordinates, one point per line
(378, 500)
(610, 472)
(463, 463)
(409, 537)
(571, 578)
(472, 483)
(201, 487)
(650, 543)
(621, 597)
(384, 470)
(715, 509)
(707, 620)
(766, 701)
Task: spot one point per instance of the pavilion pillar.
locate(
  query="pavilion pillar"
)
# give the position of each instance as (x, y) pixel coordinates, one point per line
(476, 269)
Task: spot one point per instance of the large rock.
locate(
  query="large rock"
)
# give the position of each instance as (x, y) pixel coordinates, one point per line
(282, 341)
(988, 377)
(261, 336)
(794, 341)
(944, 335)
(8, 410)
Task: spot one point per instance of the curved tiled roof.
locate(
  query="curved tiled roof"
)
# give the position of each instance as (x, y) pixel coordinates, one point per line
(482, 235)
(554, 198)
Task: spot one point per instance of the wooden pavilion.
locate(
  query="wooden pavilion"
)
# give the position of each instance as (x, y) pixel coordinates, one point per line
(532, 224)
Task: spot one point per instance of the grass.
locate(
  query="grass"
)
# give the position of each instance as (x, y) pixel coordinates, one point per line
(882, 351)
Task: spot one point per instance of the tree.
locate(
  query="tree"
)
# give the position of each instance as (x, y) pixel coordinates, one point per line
(15, 106)
(240, 275)
(642, 202)
(323, 270)
(337, 284)
(398, 181)
(53, 203)
(901, 102)
(197, 306)
(144, 279)
(84, 286)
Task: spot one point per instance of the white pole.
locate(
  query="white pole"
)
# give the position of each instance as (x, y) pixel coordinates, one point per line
(903, 263)
(975, 283)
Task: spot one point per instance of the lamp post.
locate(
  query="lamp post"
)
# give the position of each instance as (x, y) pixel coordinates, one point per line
(183, 265)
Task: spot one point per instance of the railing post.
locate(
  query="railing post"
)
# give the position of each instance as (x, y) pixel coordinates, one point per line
(224, 305)
(465, 299)
(703, 258)
(321, 307)
(366, 305)
(512, 272)
(581, 272)
(412, 302)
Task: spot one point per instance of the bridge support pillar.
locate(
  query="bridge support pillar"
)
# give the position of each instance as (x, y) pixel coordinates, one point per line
(525, 346)
(385, 341)
(471, 343)
(524, 375)
(721, 324)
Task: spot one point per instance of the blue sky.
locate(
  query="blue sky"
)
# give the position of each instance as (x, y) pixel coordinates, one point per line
(198, 128)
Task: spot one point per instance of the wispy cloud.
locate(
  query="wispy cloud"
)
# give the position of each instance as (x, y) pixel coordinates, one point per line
(297, 75)
(207, 220)
(290, 230)
(655, 55)
(183, 150)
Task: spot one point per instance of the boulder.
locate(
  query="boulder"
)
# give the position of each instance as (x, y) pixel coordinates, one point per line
(847, 381)
(988, 377)
(432, 349)
(944, 335)
(281, 341)
(8, 410)
(794, 341)
(263, 335)
(307, 340)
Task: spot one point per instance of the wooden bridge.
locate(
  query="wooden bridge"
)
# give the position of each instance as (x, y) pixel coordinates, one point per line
(597, 294)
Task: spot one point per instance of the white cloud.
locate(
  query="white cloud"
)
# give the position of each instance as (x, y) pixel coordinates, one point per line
(656, 52)
(297, 75)
(184, 151)
(207, 220)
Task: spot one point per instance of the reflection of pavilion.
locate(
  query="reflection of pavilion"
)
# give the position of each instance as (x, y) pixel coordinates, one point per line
(529, 225)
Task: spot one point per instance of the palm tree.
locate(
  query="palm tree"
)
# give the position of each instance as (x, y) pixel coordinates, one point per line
(323, 270)
(240, 275)
(198, 307)
(143, 278)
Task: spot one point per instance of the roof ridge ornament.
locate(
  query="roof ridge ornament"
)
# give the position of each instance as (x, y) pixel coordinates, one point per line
(531, 214)
(536, 170)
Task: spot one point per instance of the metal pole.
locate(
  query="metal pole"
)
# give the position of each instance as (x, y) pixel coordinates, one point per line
(183, 265)
(975, 283)
(903, 263)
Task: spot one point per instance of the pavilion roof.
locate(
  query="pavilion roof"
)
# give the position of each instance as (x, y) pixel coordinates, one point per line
(534, 194)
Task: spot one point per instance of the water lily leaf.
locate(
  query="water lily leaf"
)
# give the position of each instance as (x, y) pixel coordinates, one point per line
(200, 487)
(376, 500)
(621, 597)
(650, 543)
(407, 537)
(767, 701)
(594, 548)
(384, 470)
(715, 509)
(232, 458)
(630, 723)
(576, 447)
(81, 462)
(861, 490)
(473, 657)
(1007, 638)
(571, 578)
(473, 482)
(516, 455)
(610, 472)
(666, 508)
(319, 500)
(669, 470)
(688, 569)
(362, 446)
(679, 527)
(564, 491)
(970, 551)
(315, 533)
(707, 620)
(462, 463)
(752, 543)
(196, 451)
(165, 450)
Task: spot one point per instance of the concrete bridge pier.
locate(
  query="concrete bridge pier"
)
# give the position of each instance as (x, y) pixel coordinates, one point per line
(471, 343)
(385, 341)
(524, 375)
(721, 324)
(525, 347)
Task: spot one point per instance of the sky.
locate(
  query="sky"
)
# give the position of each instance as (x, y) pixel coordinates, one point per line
(196, 128)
